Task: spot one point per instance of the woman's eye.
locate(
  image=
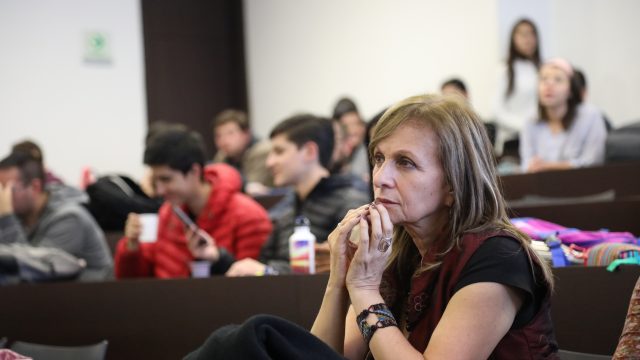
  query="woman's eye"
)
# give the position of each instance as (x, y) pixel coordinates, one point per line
(404, 162)
(378, 159)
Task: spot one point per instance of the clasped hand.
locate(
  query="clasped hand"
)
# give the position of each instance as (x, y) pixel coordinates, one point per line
(359, 267)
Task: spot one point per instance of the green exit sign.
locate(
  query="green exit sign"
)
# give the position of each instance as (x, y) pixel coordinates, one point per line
(97, 47)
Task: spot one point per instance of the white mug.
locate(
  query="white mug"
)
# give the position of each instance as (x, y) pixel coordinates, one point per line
(149, 224)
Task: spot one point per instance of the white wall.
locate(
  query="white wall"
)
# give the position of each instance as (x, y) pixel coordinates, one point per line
(303, 55)
(602, 38)
(81, 114)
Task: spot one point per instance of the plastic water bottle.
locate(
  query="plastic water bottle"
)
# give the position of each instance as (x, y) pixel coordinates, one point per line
(302, 248)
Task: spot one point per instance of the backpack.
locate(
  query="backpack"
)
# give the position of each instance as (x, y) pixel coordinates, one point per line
(605, 254)
(113, 197)
(25, 263)
(539, 229)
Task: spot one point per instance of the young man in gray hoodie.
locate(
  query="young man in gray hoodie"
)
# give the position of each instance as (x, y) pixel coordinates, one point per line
(34, 216)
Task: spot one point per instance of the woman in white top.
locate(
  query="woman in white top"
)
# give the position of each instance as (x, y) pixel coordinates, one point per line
(516, 98)
(567, 134)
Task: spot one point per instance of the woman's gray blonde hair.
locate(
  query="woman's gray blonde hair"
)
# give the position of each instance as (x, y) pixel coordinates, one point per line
(466, 156)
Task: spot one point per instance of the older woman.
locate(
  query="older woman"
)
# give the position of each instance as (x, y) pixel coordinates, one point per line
(438, 272)
(566, 134)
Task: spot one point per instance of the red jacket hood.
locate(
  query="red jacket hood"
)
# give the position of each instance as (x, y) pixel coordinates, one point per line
(223, 177)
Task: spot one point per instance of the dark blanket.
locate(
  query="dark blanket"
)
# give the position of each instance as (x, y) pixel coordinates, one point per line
(263, 337)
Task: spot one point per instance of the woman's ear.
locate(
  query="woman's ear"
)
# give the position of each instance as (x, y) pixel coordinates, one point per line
(448, 197)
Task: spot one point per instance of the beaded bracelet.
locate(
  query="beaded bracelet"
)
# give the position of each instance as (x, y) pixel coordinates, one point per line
(385, 318)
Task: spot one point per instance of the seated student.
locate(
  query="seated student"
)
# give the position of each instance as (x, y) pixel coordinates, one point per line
(341, 157)
(300, 156)
(342, 148)
(227, 220)
(457, 87)
(581, 80)
(347, 114)
(34, 215)
(454, 87)
(567, 134)
(437, 272)
(52, 182)
(34, 151)
(240, 149)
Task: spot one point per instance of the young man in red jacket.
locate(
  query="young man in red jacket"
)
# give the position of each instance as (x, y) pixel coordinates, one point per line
(226, 219)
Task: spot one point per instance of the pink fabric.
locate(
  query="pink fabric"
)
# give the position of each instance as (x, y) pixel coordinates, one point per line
(539, 229)
(561, 64)
(6, 354)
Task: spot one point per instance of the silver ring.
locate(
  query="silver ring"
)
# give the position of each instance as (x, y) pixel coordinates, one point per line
(384, 244)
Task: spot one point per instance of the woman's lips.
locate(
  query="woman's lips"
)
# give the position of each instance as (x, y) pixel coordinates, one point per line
(384, 201)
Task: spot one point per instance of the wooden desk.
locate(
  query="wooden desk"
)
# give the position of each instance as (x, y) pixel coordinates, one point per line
(589, 307)
(622, 178)
(166, 319)
(147, 318)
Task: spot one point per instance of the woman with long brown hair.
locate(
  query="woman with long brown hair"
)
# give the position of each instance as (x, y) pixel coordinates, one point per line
(438, 271)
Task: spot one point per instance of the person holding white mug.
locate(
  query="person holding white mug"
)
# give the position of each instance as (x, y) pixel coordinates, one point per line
(217, 219)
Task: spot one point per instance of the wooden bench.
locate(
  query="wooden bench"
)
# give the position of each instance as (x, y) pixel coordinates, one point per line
(166, 319)
(622, 179)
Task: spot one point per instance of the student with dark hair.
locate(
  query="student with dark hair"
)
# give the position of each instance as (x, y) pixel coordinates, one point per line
(146, 183)
(31, 148)
(567, 133)
(31, 214)
(239, 148)
(457, 87)
(226, 220)
(341, 156)
(342, 148)
(516, 99)
(346, 112)
(581, 80)
(454, 86)
(300, 157)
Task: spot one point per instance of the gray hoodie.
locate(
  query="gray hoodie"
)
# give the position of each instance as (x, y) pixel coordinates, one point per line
(66, 225)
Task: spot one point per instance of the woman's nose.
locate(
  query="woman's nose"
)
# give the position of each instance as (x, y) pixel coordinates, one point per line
(383, 176)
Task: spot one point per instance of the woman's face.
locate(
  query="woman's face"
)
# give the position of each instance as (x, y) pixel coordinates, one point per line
(408, 177)
(554, 87)
(524, 39)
